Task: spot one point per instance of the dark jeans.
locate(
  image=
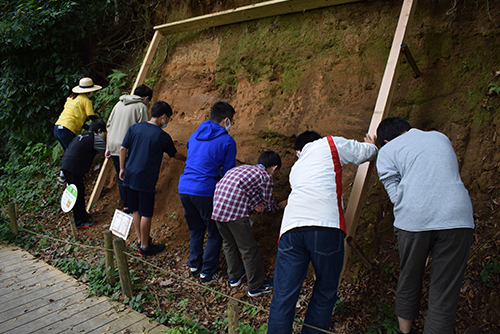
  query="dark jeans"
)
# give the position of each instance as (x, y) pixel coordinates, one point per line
(121, 189)
(198, 213)
(449, 250)
(238, 238)
(63, 135)
(79, 212)
(325, 250)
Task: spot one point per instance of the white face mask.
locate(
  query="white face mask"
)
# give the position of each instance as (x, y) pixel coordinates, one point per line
(101, 135)
(164, 125)
(227, 127)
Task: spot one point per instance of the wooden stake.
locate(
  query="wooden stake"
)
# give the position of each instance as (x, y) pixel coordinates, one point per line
(74, 231)
(233, 317)
(122, 263)
(110, 264)
(13, 218)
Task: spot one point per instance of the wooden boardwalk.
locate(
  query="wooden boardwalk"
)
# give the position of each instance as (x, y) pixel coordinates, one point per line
(36, 298)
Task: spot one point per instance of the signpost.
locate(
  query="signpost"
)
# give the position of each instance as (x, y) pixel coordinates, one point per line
(68, 201)
(120, 225)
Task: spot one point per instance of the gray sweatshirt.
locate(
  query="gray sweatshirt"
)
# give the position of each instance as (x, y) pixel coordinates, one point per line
(419, 171)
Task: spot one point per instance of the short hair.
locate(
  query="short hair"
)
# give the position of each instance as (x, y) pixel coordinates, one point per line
(161, 108)
(304, 138)
(390, 128)
(96, 125)
(269, 159)
(143, 91)
(221, 110)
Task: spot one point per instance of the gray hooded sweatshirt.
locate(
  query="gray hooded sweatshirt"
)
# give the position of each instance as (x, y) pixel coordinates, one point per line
(419, 171)
(129, 110)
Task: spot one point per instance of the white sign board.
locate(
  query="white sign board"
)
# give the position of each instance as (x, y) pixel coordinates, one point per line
(68, 198)
(120, 226)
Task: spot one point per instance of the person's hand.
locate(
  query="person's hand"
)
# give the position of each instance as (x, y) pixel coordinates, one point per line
(122, 174)
(260, 208)
(369, 139)
(107, 154)
(283, 204)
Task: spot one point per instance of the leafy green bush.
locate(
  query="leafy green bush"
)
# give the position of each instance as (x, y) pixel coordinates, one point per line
(28, 180)
(106, 98)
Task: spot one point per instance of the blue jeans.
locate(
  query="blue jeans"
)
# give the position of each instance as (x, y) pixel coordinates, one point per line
(198, 213)
(121, 189)
(63, 135)
(325, 249)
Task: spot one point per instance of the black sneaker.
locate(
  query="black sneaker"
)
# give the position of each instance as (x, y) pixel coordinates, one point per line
(195, 271)
(237, 281)
(150, 241)
(264, 288)
(207, 279)
(85, 225)
(152, 249)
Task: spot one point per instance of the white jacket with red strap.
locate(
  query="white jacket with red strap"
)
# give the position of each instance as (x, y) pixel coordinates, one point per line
(316, 182)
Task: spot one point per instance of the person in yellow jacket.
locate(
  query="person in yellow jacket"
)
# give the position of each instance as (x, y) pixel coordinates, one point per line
(76, 110)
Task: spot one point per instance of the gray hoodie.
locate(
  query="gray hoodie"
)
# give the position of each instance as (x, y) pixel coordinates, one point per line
(419, 171)
(129, 110)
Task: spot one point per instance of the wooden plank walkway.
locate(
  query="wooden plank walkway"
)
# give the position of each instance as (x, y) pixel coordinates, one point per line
(36, 298)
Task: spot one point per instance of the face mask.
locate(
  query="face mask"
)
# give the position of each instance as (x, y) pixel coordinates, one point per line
(227, 127)
(101, 135)
(164, 125)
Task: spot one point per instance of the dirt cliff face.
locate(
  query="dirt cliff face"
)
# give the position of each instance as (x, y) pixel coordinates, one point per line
(321, 70)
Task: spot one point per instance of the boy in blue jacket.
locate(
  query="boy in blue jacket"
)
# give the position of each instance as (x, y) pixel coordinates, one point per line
(211, 153)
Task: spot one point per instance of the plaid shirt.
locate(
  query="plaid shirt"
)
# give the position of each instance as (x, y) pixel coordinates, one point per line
(241, 190)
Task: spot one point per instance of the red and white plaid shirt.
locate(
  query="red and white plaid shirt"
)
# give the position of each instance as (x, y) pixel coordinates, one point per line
(240, 191)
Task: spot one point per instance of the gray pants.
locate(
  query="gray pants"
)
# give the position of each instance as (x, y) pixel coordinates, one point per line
(238, 238)
(449, 251)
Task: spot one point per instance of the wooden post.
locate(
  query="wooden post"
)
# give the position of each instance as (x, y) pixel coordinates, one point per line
(74, 231)
(233, 317)
(382, 107)
(122, 262)
(13, 218)
(110, 264)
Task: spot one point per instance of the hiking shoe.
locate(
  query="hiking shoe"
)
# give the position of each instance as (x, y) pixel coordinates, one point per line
(150, 241)
(195, 271)
(62, 180)
(207, 279)
(264, 288)
(85, 225)
(151, 250)
(236, 281)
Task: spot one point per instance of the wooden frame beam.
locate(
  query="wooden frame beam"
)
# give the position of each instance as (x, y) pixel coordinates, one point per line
(246, 13)
(382, 106)
(106, 165)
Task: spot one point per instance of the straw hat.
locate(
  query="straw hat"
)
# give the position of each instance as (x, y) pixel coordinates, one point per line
(86, 86)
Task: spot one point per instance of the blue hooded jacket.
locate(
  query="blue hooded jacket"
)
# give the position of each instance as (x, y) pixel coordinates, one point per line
(211, 153)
